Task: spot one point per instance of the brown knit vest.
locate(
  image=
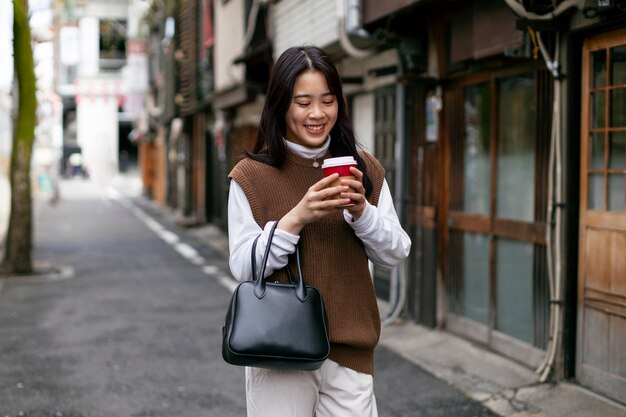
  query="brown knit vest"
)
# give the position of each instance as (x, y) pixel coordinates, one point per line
(333, 258)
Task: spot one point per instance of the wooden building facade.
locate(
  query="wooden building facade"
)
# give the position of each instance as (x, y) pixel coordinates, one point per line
(501, 126)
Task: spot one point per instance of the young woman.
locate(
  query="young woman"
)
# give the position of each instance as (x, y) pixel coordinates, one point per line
(304, 121)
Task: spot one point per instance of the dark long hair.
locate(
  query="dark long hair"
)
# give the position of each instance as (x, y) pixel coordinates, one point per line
(270, 147)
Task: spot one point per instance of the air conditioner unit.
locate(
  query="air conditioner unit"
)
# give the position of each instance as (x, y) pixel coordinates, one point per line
(604, 8)
(604, 5)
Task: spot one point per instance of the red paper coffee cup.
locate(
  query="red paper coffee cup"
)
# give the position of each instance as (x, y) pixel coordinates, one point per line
(340, 165)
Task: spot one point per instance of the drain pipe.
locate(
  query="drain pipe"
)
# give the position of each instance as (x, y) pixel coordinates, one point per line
(399, 273)
(350, 24)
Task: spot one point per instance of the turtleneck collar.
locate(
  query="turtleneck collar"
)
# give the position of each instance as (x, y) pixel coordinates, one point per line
(310, 153)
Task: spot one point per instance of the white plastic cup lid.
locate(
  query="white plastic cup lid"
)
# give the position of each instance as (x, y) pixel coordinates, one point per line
(339, 161)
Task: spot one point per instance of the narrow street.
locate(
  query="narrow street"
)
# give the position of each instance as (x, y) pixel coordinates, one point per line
(132, 327)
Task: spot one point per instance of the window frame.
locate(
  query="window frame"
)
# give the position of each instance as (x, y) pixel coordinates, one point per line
(491, 225)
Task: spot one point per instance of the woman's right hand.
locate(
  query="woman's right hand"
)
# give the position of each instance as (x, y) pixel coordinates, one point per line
(315, 204)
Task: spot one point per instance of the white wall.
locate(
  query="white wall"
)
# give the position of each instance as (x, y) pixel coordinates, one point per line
(106, 9)
(299, 22)
(97, 127)
(89, 38)
(6, 80)
(229, 36)
(361, 67)
(363, 120)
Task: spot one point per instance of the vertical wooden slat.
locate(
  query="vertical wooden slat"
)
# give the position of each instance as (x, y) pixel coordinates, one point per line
(541, 298)
(493, 186)
(188, 61)
(544, 92)
(448, 253)
(607, 114)
(455, 103)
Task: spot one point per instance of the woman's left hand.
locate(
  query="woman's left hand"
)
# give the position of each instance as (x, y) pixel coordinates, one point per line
(356, 194)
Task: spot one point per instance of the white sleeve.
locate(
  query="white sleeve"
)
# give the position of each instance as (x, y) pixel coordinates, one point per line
(386, 243)
(243, 229)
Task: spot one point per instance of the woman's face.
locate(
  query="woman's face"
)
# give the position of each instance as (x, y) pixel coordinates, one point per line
(313, 110)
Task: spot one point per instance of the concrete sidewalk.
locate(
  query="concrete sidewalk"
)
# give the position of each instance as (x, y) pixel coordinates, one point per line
(504, 386)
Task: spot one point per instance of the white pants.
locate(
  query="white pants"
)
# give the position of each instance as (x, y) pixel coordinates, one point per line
(331, 391)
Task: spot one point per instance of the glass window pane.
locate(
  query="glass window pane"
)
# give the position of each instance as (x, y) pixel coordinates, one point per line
(596, 192)
(616, 192)
(618, 65)
(476, 277)
(596, 151)
(514, 288)
(476, 155)
(599, 68)
(618, 108)
(516, 148)
(598, 100)
(617, 150)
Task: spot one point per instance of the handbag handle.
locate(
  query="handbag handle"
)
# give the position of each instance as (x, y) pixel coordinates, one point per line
(253, 261)
(300, 287)
(256, 239)
(265, 255)
(259, 282)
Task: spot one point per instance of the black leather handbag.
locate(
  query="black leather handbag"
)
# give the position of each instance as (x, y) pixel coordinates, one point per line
(276, 325)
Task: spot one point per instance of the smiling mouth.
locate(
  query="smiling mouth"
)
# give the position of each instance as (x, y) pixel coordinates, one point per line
(314, 128)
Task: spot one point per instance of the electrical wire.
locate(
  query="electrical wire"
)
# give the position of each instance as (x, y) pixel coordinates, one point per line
(553, 231)
(555, 186)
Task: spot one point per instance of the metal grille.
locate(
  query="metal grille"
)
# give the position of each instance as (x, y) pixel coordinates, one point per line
(385, 132)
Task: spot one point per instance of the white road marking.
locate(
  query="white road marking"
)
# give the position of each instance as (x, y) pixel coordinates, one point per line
(210, 269)
(228, 282)
(172, 239)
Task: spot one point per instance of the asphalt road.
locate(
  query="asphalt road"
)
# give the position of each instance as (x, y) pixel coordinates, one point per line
(135, 330)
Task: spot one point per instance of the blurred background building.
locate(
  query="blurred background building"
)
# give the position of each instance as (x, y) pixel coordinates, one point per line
(101, 79)
(501, 125)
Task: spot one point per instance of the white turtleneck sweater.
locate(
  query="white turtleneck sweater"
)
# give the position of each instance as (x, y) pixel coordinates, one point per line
(386, 243)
